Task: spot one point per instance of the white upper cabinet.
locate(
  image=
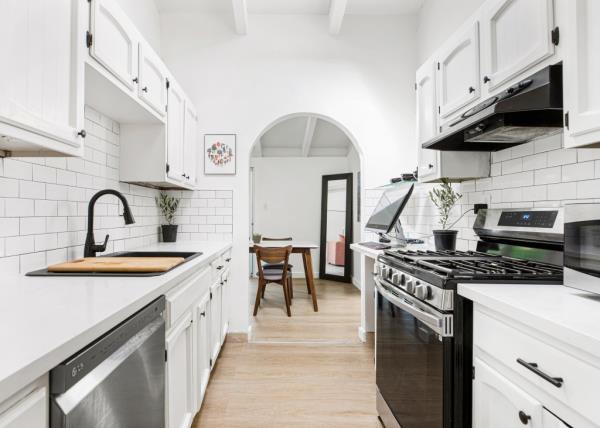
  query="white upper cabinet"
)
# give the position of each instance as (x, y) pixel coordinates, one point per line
(190, 142)
(175, 131)
(497, 403)
(426, 117)
(114, 41)
(517, 34)
(152, 81)
(41, 77)
(458, 72)
(581, 73)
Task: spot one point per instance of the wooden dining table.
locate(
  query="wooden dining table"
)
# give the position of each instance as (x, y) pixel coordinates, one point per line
(303, 248)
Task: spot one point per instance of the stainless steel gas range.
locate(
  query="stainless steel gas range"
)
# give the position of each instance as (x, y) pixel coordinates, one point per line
(423, 336)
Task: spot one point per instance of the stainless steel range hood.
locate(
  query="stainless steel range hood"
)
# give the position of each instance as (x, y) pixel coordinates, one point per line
(530, 109)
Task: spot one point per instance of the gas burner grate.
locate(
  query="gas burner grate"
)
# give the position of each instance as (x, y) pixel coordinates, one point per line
(498, 268)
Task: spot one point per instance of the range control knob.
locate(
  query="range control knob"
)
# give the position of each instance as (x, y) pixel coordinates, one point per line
(402, 279)
(396, 278)
(423, 292)
(410, 287)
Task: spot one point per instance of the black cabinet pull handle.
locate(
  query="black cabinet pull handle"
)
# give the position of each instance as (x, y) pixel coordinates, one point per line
(556, 381)
(486, 79)
(203, 313)
(135, 80)
(524, 417)
(219, 267)
(228, 260)
(430, 166)
(471, 89)
(145, 89)
(82, 133)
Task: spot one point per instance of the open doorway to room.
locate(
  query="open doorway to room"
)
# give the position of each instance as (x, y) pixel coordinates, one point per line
(290, 162)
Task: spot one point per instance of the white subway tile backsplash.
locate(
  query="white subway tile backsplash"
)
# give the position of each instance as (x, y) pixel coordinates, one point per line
(553, 142)
(588, 189)
(562, 157)
(548, 175)
(561, 191)
(535, 161)
(578, 171)
(43, 205)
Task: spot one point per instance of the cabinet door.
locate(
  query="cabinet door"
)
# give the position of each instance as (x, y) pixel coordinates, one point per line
(498, 403)
(203, 348)
(190, 142)
(180, 374)
(581, 71)
(551, 421)
(215, 320)
(517, 35)
(175, 130)
(41, 76)
(114, 43)
(30, 412)
(152, 86)
(426, 117)
(224, 306)
(458, 72)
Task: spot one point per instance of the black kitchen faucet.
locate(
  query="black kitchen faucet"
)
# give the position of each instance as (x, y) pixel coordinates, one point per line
(91, 248)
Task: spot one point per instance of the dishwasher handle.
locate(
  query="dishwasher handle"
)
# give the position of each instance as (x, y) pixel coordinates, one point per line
(439, 322)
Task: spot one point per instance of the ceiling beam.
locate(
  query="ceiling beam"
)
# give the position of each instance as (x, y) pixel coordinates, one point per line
(240, 16)
(337, 10)
(309, 133)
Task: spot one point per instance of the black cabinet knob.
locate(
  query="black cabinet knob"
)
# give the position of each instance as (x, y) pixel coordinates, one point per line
(82, 133)
(471, 89)
(203, 314)
(524, 417)
(135, 80)
(145, 89)
(486, 79)
(430, 166)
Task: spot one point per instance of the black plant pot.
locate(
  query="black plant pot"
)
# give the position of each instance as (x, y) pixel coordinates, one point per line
(169, 232)
(445, 239)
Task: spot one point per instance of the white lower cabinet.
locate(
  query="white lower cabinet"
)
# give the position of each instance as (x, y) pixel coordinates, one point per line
(181, 405)
(498, 403)
(203, 348)
(29, 412)
(216, 294)
(224, 305)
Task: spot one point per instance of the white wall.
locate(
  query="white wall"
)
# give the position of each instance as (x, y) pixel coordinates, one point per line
(438, 19)
(144, 15)
(288, 199)
(363, 79)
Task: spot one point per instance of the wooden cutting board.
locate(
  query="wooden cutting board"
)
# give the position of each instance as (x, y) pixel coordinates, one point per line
(118, 264)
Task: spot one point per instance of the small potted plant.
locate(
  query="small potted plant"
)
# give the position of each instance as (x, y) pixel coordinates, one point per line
(256, 238)
(168, 206)
(444, 198)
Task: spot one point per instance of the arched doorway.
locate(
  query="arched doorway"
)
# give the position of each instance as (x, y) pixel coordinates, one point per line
(288, 162)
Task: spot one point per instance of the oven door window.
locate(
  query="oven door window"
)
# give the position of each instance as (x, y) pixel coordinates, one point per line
(410, 367)
(582, 249)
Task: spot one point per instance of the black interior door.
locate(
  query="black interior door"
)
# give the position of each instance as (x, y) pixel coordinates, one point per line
(335, 260)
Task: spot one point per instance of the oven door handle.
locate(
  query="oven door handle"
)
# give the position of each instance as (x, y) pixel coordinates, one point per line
(439, 323)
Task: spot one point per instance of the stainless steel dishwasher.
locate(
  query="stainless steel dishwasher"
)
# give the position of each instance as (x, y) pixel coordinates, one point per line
(118, 381)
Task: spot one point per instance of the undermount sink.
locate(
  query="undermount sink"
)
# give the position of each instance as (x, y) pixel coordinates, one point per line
(187, 256)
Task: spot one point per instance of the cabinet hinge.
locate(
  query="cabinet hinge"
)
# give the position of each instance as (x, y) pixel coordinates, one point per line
(89, 38)
(473, 372)
(167, 168)
(166, 355)
(555, 36)
(567, 120)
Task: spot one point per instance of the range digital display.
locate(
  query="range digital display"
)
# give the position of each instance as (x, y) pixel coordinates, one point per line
(543, 219)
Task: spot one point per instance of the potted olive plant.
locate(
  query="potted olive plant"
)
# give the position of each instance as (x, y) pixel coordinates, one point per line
(168, 206)
(444, 198)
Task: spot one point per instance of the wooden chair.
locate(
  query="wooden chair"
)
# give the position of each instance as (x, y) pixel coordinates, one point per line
(282, 277)
(279, 266)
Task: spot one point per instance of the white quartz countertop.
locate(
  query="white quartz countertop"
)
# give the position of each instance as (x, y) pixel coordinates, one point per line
(44, 320)
(567, 314)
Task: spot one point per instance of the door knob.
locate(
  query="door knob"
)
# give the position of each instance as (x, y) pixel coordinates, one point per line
(524, 417)
(145, 89)
(82, 133)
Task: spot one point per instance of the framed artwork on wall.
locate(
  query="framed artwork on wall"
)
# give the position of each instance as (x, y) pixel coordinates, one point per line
(219, 154)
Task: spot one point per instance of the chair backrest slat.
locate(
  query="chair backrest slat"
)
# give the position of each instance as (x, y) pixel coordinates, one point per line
(276, 239)
(273, 255)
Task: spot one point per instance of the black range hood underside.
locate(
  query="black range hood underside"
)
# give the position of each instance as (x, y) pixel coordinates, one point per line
(501, 131)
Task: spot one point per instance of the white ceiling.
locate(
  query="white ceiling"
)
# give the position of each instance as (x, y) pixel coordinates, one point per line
(303, 136)
(286, 7)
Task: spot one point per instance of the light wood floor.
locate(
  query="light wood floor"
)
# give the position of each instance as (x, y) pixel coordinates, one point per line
(338, 317)
(316, 376)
